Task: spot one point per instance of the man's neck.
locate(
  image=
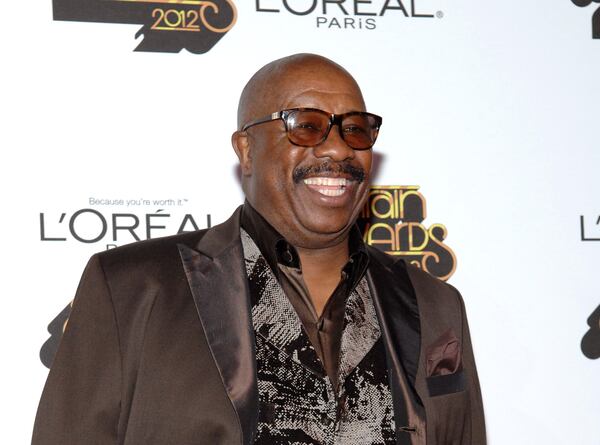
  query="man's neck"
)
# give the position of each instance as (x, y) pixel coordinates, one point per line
(321, 267)
(321, 270)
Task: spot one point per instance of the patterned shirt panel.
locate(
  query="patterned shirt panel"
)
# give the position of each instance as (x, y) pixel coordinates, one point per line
(297, 401)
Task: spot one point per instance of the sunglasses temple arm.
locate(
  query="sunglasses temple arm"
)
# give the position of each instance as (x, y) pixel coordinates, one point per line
(262, 120)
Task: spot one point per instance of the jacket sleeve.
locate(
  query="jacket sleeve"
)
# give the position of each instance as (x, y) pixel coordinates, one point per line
(478, 434)
(81, 399)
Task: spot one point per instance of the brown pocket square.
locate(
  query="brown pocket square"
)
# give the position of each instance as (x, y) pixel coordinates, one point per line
(444, 365)
(444, 355)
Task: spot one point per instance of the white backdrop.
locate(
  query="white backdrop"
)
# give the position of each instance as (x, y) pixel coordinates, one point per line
(490, 107)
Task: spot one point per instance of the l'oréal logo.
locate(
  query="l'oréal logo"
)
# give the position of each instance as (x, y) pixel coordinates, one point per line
(589, 228)
(350, 14)
(167, 25)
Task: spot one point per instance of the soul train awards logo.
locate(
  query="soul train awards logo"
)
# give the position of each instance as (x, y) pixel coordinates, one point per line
(590, 343)
(350, 14)
(392, 221)
(595, 16)
(167, 25)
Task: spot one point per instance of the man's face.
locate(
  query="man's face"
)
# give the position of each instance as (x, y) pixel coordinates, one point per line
(309, 194)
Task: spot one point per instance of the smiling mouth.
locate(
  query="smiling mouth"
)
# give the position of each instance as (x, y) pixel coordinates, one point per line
(328, 186)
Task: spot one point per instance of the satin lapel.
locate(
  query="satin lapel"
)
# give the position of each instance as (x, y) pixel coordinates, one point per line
(273, 315)
(396, 307)
(215, 273)
(361, 330)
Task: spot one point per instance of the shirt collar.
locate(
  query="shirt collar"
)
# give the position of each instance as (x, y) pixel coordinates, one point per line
(276, 250)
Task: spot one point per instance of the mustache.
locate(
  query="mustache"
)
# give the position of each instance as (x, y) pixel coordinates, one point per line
(356, 173)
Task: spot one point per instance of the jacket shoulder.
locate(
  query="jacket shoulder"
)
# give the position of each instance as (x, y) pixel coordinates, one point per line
(424, 279)
(438, 301)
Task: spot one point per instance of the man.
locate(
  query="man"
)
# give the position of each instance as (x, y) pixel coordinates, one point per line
(278, 326)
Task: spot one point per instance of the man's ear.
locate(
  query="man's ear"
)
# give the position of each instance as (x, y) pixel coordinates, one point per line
(241, 145)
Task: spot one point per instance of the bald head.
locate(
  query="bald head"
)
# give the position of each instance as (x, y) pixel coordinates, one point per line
(268, 89)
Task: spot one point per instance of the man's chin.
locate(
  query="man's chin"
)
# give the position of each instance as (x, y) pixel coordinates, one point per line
(324, 228)
(323, 215)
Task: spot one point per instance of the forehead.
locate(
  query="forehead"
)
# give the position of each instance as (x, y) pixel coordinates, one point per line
(328, 89)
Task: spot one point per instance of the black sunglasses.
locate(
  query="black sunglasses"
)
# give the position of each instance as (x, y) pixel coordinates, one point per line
(308, 127)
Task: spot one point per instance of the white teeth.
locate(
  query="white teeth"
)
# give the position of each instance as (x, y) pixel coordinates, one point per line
(336, 182)
(339, 183)
(329, 192)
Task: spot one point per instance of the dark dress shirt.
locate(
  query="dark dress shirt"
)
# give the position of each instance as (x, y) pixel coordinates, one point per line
(324, 331)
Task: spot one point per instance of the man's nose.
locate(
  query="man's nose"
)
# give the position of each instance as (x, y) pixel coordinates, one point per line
(334, 147)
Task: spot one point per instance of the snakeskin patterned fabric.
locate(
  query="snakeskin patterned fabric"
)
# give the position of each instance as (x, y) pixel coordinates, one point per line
(298, 404)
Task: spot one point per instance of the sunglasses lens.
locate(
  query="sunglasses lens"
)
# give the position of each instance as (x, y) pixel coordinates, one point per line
(360, 130)
(307, 128)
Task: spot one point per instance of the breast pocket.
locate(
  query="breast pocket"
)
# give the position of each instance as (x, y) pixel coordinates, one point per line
(439, 385)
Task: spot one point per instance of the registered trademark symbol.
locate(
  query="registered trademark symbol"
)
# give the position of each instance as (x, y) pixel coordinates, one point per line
(439, 14)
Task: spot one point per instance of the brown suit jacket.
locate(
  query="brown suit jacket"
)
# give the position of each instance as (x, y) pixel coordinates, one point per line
(159, 350)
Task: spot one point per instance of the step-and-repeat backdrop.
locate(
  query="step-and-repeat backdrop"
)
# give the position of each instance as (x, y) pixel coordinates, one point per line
(116, 124)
